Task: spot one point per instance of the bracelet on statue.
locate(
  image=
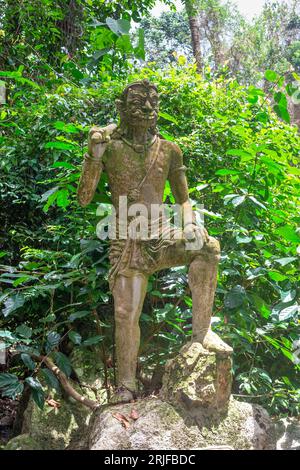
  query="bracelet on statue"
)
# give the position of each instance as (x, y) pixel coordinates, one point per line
(193, 222)
(89, 157)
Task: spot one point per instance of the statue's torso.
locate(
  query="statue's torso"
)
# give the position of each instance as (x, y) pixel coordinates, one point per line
(126, 169)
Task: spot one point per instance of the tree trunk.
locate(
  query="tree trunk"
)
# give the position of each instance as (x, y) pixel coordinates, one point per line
(195, 35)
(192, 10)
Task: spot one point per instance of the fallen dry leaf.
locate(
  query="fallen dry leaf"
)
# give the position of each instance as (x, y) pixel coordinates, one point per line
(134, 414)
(53, 403)
(122, 418)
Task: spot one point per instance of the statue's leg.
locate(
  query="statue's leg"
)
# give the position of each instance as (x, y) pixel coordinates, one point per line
(203, 272)
(129, 294)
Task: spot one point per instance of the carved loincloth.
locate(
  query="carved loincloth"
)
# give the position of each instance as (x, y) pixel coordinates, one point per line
(139, 255)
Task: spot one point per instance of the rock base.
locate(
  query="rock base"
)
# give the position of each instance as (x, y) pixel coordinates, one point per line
(152, 424)
(194, 411)
(198, 378)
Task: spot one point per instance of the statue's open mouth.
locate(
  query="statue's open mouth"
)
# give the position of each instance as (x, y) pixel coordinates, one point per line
(145, 117)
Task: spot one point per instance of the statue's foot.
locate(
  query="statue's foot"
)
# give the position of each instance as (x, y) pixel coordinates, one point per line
(212, 342)
(121, 395)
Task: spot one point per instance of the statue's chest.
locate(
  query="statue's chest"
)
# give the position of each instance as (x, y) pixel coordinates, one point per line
(128, 166)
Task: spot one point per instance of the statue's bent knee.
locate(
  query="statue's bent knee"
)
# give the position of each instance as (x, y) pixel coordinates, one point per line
(213, 249)
(122, 314)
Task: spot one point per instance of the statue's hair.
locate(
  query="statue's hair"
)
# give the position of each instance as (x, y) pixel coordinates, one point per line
(120, 102)
(145, 83)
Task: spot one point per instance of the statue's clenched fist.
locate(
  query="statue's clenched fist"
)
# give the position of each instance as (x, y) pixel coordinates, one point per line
(97, 136)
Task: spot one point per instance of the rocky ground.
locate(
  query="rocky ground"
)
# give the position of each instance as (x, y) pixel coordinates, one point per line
(194, 410)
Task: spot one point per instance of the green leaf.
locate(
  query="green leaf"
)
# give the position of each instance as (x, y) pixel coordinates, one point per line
(236, 201)
(227, 171)
(13, 302)
(13, 390)
(48, 193)
(235, 297)
(68, 128)
(29, 363)
(282, 112)
(123, 43)
(288, 233)
(75, 337)
(10, 385)
(60, 145)
(7, 379)
(285, 261)
(93, 340)
(281, 99)
(271, 76)
(53, 339)
(5, 334)
(62, 198)
(123, 26)
(288, 312)
(239, 153)
(37, 391)
(243, 239)
(276, 276)
(113, 25)
(77, 315)
(260, 305)
(168, 117)
(24, 330)
(50, 379)
(66, 165)
(63, 363)
(288, 296)
(257, 203)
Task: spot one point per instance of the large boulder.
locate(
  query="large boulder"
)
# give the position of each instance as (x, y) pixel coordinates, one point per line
(153, 424)
(194, 411)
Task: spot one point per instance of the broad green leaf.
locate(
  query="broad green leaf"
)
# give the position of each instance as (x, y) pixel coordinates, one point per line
(92, 340)
(77, 315)
(236, 201)
(63, 363)
(227, 171)
(60, 145)
(168, 117)
(288, 233)
(282, 112)
(37, 391)
(271, 76)
(29, 363)
(53, 339)
(50, 379)
(276, 276)
(13, 303)
(288, 312)
(235, 297)
(24, 330)
(285, 261)
(75, 337)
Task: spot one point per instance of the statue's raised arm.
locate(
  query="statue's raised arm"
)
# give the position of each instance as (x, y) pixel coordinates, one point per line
(92, 165)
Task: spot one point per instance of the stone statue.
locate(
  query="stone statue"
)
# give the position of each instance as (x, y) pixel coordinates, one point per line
(138, 162)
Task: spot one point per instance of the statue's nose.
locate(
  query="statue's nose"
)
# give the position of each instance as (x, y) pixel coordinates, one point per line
(147, 106)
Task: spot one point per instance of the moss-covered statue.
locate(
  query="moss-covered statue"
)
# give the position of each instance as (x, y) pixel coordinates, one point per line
(138, 162)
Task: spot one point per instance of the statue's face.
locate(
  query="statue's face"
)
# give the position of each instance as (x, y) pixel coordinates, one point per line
(142, 106)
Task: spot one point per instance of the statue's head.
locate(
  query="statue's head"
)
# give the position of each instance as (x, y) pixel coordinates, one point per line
(138, 105)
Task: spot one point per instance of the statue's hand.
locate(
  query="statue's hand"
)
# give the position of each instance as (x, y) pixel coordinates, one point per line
(97, 135)
(192, 232)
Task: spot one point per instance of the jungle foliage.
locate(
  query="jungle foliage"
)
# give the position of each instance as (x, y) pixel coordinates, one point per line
(242, 156)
